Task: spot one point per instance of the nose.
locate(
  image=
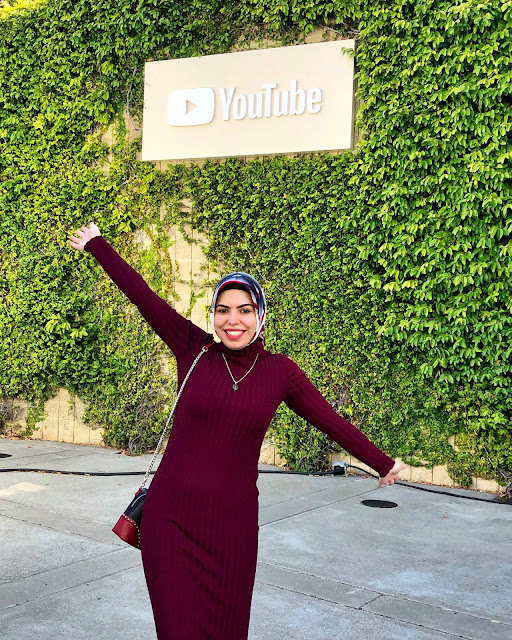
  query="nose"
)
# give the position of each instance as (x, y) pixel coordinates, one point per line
(233, 317)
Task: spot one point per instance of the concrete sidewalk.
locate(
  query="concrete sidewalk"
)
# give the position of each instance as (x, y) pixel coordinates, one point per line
(435, 567)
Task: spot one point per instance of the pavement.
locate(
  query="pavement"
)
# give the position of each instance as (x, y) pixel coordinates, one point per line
(434, 567)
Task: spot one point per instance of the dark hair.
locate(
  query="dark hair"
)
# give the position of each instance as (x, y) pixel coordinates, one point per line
(234, 285)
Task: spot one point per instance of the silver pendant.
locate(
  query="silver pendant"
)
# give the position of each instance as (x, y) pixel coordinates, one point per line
(235, 382)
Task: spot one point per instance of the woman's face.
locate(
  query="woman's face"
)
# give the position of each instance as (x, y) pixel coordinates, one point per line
(235, 318)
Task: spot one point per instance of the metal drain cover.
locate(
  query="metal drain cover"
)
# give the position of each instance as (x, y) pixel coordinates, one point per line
(379, 504)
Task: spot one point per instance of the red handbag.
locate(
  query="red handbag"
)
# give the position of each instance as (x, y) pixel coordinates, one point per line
(128, 525)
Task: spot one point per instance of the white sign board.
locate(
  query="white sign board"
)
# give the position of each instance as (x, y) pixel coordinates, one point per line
(267, 101)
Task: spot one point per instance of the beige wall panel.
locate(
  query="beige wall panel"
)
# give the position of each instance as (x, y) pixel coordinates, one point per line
(200, 276)
(96, 435)
(183, 253)
(420, 474)
(441, 476)
(49, 428)
(267, 453)
(67, 431)
(199, 247)
(317, 36)
(81, 433)
(199, 315)
(483, 484)
(183, 292)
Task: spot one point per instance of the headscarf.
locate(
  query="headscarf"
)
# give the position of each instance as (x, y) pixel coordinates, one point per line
(254, 289)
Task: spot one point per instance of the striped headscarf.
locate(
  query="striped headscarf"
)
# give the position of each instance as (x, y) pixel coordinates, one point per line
(253, 288)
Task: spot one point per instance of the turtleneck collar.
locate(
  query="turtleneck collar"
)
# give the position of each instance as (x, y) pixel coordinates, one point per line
(248, 352)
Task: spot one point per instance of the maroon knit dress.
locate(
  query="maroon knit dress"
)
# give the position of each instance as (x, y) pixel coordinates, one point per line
(199, 533)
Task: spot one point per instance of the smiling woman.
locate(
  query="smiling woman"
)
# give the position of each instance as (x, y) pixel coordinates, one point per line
(238, 310)
(235, 319)
(199, 533)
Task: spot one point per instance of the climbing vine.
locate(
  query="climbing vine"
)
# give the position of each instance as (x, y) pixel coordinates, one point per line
(388, 269)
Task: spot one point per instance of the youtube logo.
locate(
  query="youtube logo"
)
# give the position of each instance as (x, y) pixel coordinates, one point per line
(197, 106)
(187, 107)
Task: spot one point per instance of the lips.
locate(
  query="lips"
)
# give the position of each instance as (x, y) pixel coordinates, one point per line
(234, 334)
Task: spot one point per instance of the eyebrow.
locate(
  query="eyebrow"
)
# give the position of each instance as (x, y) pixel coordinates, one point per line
(246, 304)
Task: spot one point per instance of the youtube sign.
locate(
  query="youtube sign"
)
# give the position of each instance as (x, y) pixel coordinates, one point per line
(186, 107)
(294, 99)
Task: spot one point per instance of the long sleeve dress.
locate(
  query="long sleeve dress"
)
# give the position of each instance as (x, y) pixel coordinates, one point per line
(199, 533)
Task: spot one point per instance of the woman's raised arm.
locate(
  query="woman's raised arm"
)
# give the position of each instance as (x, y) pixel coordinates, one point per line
(180, 335)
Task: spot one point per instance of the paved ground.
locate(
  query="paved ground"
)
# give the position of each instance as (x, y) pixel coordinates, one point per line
(436, 567)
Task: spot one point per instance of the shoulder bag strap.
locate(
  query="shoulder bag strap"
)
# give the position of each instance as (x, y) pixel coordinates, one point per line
(203, 351)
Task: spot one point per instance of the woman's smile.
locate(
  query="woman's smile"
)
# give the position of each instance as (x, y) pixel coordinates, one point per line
(234, 334)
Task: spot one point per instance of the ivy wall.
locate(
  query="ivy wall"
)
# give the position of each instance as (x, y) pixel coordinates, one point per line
(388, 269)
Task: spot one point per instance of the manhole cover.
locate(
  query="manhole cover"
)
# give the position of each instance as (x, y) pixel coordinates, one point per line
(379, 504)
(5, 455)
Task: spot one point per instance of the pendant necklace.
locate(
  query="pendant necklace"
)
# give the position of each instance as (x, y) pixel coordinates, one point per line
(235, 382)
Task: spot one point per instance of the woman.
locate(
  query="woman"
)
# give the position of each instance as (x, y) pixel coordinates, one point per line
(199, 533)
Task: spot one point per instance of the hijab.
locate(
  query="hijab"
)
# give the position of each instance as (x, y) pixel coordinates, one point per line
(253, 288)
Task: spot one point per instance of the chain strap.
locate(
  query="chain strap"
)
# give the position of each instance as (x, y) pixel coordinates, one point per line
(203, 351)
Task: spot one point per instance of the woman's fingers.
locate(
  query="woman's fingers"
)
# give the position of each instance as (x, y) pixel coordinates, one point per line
(83, 235)
(393, 474)
(76, 243)
(77, 240)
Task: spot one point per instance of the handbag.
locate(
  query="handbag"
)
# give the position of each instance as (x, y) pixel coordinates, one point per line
(128, 525)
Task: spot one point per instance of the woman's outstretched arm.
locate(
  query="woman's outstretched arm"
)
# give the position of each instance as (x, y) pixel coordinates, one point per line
(177, 332)
(304, 399)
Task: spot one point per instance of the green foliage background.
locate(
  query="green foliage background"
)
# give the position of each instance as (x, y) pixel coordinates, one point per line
(388, 270)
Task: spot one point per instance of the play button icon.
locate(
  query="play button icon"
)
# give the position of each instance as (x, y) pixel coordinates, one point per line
(186, 107)
(189, 106)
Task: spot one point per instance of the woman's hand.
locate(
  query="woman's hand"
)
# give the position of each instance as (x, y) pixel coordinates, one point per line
(83, 235)
(392, 476)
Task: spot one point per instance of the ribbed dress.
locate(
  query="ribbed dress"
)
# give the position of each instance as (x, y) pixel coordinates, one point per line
(199, 533)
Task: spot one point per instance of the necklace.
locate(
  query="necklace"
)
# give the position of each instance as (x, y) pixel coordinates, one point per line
(235, 382)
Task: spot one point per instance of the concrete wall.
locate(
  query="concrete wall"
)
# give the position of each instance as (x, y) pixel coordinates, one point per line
(62, 423)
